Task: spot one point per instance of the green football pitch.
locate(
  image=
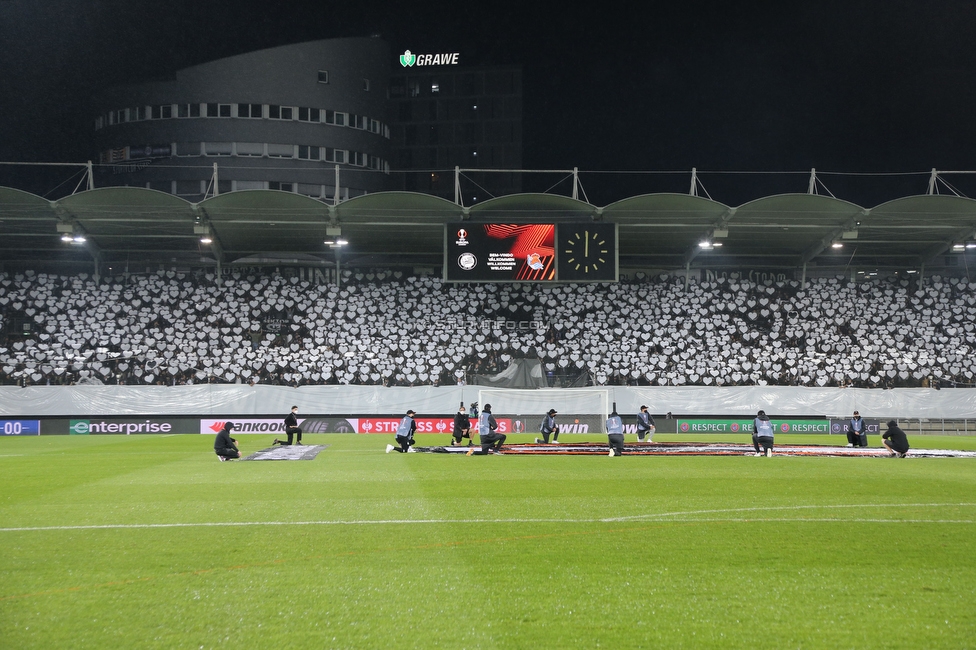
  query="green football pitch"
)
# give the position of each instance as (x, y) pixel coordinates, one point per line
(150, 542)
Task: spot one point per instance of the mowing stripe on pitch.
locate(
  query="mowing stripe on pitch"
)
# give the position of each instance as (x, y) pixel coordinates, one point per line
(686, 515)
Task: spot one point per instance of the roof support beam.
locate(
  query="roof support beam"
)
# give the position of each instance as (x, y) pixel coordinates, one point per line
(721, 225)
(960, 236)
(819, 247)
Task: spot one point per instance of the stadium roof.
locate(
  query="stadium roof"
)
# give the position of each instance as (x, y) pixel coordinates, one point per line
(390, 228)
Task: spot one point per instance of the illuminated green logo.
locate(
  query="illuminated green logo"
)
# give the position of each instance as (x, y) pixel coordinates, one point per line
(407, 59)
(78, 427)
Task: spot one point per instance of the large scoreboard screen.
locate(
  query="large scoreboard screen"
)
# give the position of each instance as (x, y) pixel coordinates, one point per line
(534, 252)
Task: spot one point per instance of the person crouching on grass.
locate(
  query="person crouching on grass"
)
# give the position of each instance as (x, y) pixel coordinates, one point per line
(645, 425)
(404, 434)
(291, 428)
(491, 442)
(549, 428)
(762, 434)
(462, 426)
(895, 440)
(615, 433)
(224, 446)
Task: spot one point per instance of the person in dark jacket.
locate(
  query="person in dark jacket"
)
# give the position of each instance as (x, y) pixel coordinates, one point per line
(857, 432)
(762, 434)
(404, 434)
(462, 426)
(224, 446)
(895, 440)
(291, 428)
(645, 425)
(615, 433)
(491, 442)
(548, 428)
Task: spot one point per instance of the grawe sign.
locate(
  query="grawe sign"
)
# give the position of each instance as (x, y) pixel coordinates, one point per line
(408, 59)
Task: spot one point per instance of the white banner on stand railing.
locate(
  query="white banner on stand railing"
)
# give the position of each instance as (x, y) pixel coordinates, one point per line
(234, 400)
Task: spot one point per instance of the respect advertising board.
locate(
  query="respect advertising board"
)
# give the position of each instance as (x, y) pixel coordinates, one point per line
(745, 426)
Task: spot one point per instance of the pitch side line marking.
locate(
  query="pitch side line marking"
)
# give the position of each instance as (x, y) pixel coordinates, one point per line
(663, 515)
(688, 513)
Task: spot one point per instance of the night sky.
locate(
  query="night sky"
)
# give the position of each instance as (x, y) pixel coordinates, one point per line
(725, 87)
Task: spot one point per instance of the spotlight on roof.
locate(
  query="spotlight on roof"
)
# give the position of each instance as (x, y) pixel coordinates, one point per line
(716, 244)
(78, 239)
(206, 240)
(67, 239)
(958, 247)
(837, 244)
(705, 244)
(971, 244)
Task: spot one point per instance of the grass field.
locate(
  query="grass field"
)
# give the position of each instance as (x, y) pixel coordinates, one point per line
(150, 542)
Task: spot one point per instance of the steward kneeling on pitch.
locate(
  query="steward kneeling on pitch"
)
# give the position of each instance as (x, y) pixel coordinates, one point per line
(491, 442)
(224, 446)
(762, 434)
(404, 434)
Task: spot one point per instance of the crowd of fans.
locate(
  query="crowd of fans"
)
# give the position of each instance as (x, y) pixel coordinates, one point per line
(383, 327)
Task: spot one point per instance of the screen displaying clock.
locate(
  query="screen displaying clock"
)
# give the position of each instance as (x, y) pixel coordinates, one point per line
(586, 252)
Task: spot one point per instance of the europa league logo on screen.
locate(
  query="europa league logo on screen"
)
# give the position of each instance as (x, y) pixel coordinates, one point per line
(467, 261)
(462, 239)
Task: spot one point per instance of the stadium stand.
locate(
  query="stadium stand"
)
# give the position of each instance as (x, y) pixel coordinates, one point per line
(385, 328)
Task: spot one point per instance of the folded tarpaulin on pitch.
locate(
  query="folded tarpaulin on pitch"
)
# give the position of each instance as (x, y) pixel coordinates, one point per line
(701, 449)
(287, 452)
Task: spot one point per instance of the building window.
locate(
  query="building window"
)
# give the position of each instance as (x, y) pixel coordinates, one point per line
(366, 85)
(284, 187)
(307, 152)
(188, 188)
(250, 149)
(212, 110)
(281, 150)
(187, 148)
(225, 110)
(335, 155)
(308, 114)
(167, 111)
(435, 87)
(219, 148)
(249, 110)
(414, 87)
(323, 76)
(276, 112)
